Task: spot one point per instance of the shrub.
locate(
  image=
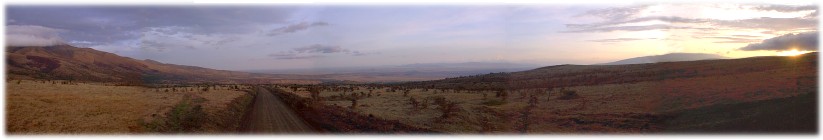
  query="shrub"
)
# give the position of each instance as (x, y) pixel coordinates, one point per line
(414, 103)
(185, 117)
(568, 95)
(446, 107)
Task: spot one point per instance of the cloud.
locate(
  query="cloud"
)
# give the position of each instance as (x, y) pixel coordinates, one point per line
(768, 23)
(749, 36)
(284, 55)
(317, 48)
(733, 39)
(637, 18)
(32, 35)
(635, 28)
(295, 27)
(616, 13)
(667, 19)
(316, 51)
(802, 41)
(619, 40)
(358, 53)
(116, 23)
(786, 8)
(160, 39)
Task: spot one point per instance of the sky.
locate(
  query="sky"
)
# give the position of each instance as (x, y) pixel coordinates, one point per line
(257, 37)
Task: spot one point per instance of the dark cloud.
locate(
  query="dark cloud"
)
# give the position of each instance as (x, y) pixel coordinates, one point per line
(802, 41)
(316, 51)
(113, 23)
(619, 40)
(32, 35)
(786, 8)
(295, 27)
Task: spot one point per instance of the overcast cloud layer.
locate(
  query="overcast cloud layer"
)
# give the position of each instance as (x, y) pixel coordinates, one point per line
(310, 36)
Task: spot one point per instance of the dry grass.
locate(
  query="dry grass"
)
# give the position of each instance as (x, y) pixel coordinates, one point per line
(627, 104)
(45, 108)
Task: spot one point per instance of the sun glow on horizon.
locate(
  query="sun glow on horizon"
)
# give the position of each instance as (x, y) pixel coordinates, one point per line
(793, 52)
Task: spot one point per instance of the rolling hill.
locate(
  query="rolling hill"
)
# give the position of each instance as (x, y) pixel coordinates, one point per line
(581, 75)
(65, 62)
(672, 57)
(769, 94)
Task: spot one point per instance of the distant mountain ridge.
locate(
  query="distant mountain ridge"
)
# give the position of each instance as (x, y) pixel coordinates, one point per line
(65, 62)
(580, 75)
(671, 57)
(409, 72)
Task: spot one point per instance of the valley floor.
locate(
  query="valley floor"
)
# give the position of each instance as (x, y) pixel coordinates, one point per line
(58, 107)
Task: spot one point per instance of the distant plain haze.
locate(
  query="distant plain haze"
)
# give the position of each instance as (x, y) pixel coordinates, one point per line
(246, 37)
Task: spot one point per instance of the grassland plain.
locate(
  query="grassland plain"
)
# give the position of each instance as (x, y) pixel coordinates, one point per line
(639, 107)
(51, 107)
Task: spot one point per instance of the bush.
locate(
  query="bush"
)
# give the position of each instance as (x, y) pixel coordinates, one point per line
(446, 107)
(568, 95)
(185, 117)
(414, 103)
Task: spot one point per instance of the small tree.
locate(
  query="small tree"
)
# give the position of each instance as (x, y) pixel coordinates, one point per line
(314, 93)
(446, 107)
(353, 103)
(424, 104)
(524, 120)
(568, 95)
(414, 103)
(533, 101)
(504, 95)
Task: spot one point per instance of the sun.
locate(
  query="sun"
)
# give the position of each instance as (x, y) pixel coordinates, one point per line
(793, 52)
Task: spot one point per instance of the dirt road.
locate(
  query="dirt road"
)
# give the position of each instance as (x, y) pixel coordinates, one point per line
(269, 115)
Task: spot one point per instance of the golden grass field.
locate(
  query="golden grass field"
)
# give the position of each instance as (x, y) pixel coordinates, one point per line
(34, 107)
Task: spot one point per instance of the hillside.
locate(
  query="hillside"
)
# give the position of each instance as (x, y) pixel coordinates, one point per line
(772, 94)
(64, 62)
(580, 75)
(672, 57)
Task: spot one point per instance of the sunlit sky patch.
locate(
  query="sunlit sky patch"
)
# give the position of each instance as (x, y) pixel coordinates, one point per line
(312, 36)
